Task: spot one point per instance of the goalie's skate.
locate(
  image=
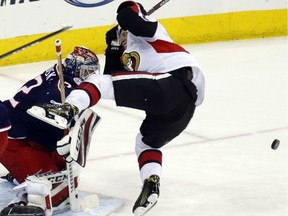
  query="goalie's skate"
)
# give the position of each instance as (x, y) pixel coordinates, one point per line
(148, 196)
(57, 115)
(22, 209)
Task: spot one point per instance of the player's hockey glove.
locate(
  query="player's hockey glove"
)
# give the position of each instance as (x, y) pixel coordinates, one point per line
(66, 110)
(113, 51)
(113, 41)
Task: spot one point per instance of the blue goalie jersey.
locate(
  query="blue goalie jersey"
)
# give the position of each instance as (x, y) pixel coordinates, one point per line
(44, 88)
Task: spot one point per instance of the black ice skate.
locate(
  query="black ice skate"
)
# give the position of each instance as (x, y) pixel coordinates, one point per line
(148, 196)
(22, 209)
(8, 177)
(58, 115)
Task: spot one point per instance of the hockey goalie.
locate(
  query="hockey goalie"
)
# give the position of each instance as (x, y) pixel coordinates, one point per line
(45, 161)
(45, 193)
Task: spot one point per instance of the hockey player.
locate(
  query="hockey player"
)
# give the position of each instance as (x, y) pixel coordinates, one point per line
(30, 155)
(160, 77)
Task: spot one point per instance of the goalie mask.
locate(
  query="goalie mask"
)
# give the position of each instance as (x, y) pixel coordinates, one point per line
(81, 63)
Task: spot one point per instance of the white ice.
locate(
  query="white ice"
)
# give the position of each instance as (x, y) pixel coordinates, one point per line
(222, 164)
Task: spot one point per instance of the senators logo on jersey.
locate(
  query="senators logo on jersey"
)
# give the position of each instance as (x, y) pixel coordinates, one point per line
(131, 61)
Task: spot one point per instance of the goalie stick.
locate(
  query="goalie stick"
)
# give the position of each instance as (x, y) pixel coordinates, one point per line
(90, 201)
(60, 69)
(73, 191)
(32, 43)
(76, 145)
(78, 142)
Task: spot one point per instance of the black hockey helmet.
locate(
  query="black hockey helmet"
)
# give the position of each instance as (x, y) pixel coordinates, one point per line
(129, 4)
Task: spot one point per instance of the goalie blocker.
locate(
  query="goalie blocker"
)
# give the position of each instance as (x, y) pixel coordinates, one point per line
(76, 144)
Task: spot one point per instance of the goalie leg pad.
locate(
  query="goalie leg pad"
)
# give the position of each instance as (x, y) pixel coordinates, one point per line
(77, 142)
(59, 194)
(41, 194)
(38, 193)
(80, 141)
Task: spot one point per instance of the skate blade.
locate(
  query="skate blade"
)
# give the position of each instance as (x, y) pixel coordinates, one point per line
(40, 113)
(23, 211)
(152, 199)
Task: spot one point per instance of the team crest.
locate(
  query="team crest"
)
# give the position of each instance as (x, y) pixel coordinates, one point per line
(131, 61)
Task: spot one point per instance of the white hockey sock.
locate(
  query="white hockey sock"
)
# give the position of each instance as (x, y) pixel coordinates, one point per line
(150, 169)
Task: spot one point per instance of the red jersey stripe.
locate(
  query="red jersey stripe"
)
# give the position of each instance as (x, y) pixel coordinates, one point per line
(162, 46)
(149, 156)
(92, 91)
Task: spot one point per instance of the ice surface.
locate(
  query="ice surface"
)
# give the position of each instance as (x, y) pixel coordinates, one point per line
(222, 164)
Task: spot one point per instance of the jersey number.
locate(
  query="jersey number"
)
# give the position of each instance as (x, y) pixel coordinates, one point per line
(26, 89)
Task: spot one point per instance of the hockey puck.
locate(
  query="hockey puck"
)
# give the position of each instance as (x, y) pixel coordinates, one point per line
(275, 144)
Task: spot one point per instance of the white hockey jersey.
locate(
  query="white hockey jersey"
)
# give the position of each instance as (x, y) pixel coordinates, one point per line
(159, 54)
